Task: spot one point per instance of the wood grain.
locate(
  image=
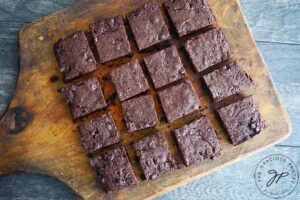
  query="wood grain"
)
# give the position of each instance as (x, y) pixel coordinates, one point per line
(32, 186)
(223, 184)
(274, 20)
(276, 52)
(284, 59)
(81, 152)
(235, 182)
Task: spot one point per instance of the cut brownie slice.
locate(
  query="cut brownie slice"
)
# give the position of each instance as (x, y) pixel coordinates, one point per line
(154, 156)
(74, 56)
(197, 141)
(189, 15)
(148, 26)
(165, 67)
(242, 120)
(207, 49)
(114, 170)
(179, 100)
(99, 133)
(139, 113)
(129, 80)
(226, 81)
(110, 38)
(84, 97)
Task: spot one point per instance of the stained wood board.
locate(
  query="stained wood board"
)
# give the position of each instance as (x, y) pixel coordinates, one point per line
(37, 133)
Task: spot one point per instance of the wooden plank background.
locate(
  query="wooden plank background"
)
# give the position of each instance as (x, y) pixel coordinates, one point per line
(276, 27)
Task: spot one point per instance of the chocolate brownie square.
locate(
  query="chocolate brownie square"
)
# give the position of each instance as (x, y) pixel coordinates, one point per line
(148, 26)
(129, 80)
(74, 56)
(153, 155)
(114, 171)
(110, 38)
(165, 67)
(197, 141)
(227, 80)
(189, 15)
(179, 100)
(99, 133)
(242, 120)
(139, 113)
(207, 49)
(84, 97)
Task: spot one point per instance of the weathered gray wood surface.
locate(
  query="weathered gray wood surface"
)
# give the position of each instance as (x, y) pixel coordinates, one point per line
(276, 27)
(37, 186)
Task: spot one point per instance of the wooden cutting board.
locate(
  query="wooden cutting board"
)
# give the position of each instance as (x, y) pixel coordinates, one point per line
(38, 135)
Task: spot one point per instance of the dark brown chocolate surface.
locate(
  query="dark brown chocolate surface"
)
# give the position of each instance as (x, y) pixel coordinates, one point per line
(99, 133)
(139, 113)
(110, 38)
(74, 56)
(178, 101)
(148, 26)
(197, 141)
(114, 171)
(153, 154)
(129, 80)
(227, 80)
(189, 15)
(84, 97)
(242, 120)
(207, 49)
(165, 67)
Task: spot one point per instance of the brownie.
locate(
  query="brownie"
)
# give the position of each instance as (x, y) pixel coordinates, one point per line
(84, 97)
(227, 80)
(111, 39)
(197, 141)
(178, 101)
(165, 67)
(148, 26)
(153, 155)
(99, 133)
(74, 56)
(114, 171)
(207, 49)
(242, 120)
(139, 113)
(129, 80)
(189, 15)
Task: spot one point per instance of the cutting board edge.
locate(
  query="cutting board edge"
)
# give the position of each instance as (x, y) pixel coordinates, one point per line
(22, 34)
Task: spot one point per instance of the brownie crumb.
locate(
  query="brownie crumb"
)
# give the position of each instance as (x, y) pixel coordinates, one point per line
(53, 79)
(112, 98)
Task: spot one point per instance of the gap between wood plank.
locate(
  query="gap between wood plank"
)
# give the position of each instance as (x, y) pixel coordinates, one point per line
(275, 42)
(283, 145)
